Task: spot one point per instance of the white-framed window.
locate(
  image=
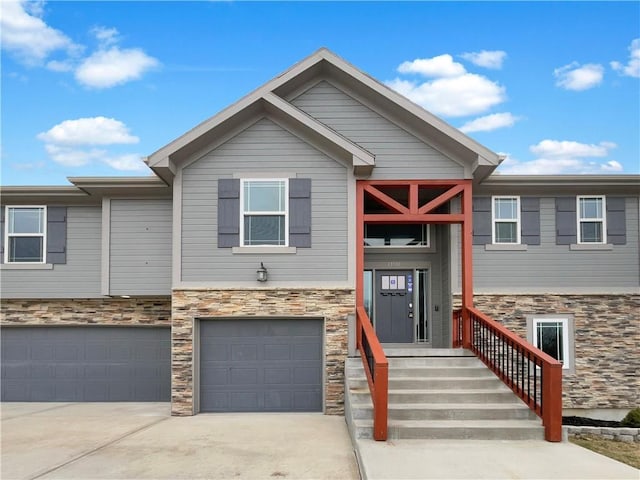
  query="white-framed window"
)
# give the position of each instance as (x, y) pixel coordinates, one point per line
(505, 219)
(264, 212)
(592, 225)
(403, 236)
(552, 335)
(25, 234)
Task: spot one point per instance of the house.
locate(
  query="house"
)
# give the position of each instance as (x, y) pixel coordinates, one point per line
(229, 280)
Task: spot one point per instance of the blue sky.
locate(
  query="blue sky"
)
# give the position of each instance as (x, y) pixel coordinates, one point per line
(88, 88)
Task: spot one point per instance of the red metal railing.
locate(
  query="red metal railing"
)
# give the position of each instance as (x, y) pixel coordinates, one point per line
(532, 374)
(376, 368)
(457, 328)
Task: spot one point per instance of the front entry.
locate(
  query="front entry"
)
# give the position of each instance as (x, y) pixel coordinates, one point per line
(394, 309)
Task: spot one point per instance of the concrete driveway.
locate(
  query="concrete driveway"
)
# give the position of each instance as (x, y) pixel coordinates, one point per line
(141, 440)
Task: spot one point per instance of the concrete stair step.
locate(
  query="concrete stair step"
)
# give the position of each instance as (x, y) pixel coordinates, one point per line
(462, 411)
(453, 383)
(437, 371)
(418, 351)
(434, 362)
(435, 396)
(456, 429)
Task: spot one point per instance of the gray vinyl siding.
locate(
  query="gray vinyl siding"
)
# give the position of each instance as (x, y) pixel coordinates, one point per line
(79, 277)
(140, 247)
(548, 266)
(399, 154)
(264, 147)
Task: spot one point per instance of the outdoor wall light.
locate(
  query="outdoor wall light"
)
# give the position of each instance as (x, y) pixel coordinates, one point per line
(262, 273)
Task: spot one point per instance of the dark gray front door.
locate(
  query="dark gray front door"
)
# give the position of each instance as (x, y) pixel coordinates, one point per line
(394, 306)
(267, 365)
(86, 364)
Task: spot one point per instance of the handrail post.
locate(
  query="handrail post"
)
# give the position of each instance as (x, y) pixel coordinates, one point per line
(552, 406)
(466, 328)
(380, 402)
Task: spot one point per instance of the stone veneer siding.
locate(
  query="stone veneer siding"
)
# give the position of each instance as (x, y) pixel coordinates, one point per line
(334, 305)
(607, 335)
(154, 311)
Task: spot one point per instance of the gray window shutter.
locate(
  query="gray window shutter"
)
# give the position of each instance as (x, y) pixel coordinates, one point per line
(616, 221)
(228, 212)
(566, 226)
(481, 220)
(57, 235)
(2, 232)
(300, 212)
(530, 220)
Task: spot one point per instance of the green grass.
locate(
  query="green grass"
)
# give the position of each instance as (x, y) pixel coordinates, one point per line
(628, 453)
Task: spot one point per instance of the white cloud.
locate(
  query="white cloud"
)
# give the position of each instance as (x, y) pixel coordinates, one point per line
(575, 77)
(129, 162)
(564, 157)
(489, 122)
(89, 131)
(467, 94)
(569, 149)
(452, 92)
(106, 36)
(486, 58)
(73, 143)
(60, 65)
(440, 66)
(632, 68)
(24, 33)
(115, 66)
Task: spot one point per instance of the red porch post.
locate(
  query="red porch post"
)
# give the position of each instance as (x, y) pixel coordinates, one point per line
(359, 255)
(467, 264)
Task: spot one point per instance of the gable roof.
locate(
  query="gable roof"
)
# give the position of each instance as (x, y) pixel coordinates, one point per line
(270, 98)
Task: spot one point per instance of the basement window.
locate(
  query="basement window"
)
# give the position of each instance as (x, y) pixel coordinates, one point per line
(553, 335)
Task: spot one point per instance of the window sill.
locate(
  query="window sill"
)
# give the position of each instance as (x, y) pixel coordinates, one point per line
(263, 250)
(26, 266)
(587, 246)
(517, 247)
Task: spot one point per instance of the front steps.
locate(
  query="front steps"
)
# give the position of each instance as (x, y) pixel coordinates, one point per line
(439, 394)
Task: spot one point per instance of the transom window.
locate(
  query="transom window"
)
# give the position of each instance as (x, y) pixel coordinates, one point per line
(264, 212)
(591, 220)
(25, 234)
(378, 235)
(551, 335)
(506, 219)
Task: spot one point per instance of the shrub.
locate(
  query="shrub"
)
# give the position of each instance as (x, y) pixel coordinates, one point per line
(632, 419)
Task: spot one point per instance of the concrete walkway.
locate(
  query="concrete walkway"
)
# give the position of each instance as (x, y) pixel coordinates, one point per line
(141, 440)
(485, 459)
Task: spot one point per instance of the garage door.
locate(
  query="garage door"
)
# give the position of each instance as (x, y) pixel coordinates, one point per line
(261, 365)
(86, 364)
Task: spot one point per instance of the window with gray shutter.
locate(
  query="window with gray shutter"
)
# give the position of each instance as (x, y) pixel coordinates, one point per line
(2, 234)
(566, 226)
(300, 212)
(616, 221)
(229, 215)
(57, 235)
(530, 220)
(228, 212)
(481, 220)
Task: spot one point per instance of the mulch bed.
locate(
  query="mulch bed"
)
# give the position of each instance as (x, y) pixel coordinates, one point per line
(589, 422)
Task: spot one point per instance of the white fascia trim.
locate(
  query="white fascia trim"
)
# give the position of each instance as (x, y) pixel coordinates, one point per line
(105, 273)
(176, 247)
